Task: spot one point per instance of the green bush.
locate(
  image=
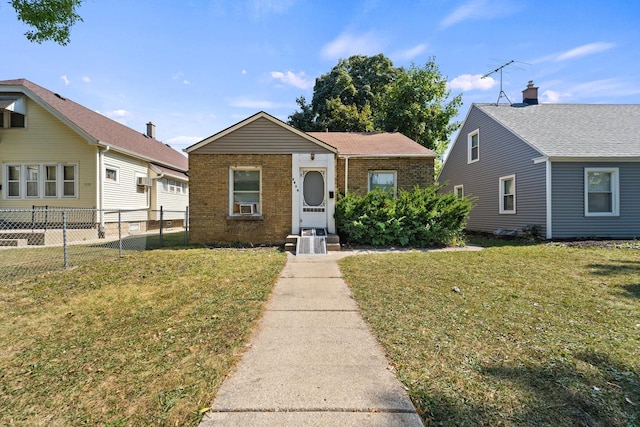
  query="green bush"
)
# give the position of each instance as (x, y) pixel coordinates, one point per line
(420, 217)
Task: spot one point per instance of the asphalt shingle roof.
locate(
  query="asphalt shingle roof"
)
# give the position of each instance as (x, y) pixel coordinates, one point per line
(106, 131)
(573, 130)
(373, 144)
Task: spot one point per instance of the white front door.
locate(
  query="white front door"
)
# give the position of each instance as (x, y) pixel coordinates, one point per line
(313, 197)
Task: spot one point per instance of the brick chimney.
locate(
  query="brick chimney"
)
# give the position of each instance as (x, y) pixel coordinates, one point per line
(530, 94)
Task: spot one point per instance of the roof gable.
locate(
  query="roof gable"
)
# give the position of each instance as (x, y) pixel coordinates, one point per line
(98, 129)
(260, 133)
(573, 130)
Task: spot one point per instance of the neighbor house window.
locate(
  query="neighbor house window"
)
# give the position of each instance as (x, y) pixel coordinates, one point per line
(458, 190)
(12, 111)
(36, 181)
(33, 183)
(473, 141)
(601, 192)
(111, 174)
(13, 180)
(245, 190)
(69, 181)
(508, 194)
(386, 180)
(50, 181)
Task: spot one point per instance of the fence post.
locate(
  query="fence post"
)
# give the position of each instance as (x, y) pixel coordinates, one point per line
(120, 232)
(161, 242)
(186, 226)
(64, 240)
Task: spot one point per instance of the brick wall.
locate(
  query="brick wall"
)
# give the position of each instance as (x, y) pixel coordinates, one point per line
(410, 171)
(209, 199)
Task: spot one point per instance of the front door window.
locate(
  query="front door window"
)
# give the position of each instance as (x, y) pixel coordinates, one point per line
(313, 191)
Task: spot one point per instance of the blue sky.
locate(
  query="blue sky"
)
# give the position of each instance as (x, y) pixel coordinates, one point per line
(196, 67)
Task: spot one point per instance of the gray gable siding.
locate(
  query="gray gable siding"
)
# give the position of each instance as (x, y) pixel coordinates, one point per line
(501, 153)
(568, 219)
(261, 137)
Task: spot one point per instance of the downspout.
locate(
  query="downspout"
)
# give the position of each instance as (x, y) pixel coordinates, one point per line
(549, 207)
(346, 174)
(101, 184)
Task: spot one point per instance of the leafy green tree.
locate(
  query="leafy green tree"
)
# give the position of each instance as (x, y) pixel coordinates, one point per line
(364, 93)
(416, 106)
(346, 98)
(51, 19)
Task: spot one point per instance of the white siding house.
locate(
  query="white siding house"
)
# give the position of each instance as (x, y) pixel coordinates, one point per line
(56, 153)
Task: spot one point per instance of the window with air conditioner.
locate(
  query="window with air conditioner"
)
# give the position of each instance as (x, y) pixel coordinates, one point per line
(245, 191)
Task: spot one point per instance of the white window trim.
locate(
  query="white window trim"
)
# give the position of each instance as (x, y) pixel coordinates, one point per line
(469, 139)
(615, 192)
(232, 169)
(455, 190)
(502, 180)
(395, 179)
(22, 184)
(5, 181)
(62, 180)
(39, 181)
(45, 180)
(114, 168)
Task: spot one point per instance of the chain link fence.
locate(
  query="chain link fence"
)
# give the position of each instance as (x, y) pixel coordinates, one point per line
(44, 239)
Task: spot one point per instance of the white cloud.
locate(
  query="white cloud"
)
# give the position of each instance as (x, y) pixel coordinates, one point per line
(183, 140)
(118, 114)
(296, 80)
(467, 82)
(65, 79)
(584, 50)
(550, 97)
(466, 11)
(186, 82)
(480, 9)
(259, 8)
(86, 79)
(243, 72)
(577, 52)
(347, 45)
(410, 53)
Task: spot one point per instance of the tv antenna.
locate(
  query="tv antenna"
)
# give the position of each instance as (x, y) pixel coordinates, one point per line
(500, 68)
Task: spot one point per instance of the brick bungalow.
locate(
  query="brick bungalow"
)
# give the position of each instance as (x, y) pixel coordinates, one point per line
(260, 180)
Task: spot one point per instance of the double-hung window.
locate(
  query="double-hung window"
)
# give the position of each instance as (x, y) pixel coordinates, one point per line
(33, 182)
(601, 192)
(458, 190)
(473, 146)
(245, 190)
(12, 172)
(508, 194)
(385, 180)
(37, 181)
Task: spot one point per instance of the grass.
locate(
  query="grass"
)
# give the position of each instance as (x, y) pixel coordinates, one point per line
(20, 263)
(141, 340)
(538, 334)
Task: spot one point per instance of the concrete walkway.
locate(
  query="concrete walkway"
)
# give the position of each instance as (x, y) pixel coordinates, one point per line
(313, 360)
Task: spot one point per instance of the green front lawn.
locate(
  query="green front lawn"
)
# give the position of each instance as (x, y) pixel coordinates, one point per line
(512, 335)
(140, 340)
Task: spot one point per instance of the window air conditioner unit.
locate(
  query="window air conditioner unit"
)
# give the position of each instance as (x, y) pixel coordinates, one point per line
(246, 208)
(144, 181)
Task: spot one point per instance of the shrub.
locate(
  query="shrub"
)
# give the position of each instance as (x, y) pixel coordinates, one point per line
(420, 217)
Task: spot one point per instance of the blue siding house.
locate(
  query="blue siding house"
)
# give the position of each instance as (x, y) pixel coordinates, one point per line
(571, 169)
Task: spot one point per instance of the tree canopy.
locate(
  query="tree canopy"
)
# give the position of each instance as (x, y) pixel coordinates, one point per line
(362, 94)
(50, 19)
